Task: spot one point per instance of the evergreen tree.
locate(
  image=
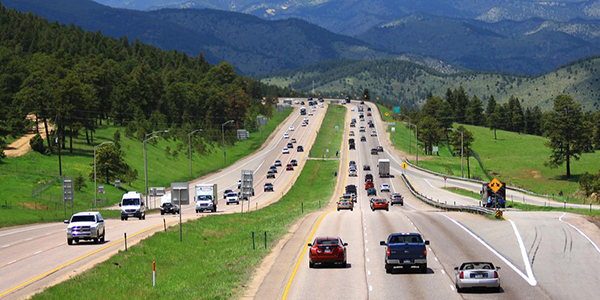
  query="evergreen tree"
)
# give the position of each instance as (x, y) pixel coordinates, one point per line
(461, 137)
(475, 112)
(491, 106)
(495, 120)
(567, 133)
(110, 164)
(461, 101)
(430, 133)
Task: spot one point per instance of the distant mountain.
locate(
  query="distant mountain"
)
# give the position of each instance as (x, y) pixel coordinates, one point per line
(251, 44)
(356, 16)
(527, 47)
(405, 83)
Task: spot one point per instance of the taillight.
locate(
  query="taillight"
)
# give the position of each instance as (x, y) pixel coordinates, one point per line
(388, 251)
(495, 274)
(424, 250)
(462, 275)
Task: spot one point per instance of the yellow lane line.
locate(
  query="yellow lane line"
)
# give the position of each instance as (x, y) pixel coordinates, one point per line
(289, 284)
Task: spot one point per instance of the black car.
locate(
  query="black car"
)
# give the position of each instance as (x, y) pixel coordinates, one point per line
(368, 108)
(169, 208)
(294, 162)
(352, 146)
(374, 151)
(273, 169)
(363, 139)
(352, 124)
(270, 174)
(379, 148)
(226, 192)
(366, 168)
(290, 146)
(371, 125)
(302, 103)
(368, 177)
(300, 149)
(362, 102)
(268, 187)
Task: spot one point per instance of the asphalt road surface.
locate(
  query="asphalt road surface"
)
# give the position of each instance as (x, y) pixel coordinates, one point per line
(542, 255)
(37, 256)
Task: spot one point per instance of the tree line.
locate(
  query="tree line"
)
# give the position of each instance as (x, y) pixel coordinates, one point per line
(76, 81)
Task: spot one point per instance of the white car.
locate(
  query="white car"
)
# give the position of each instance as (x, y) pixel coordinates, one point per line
(286, 135)
(321, 105)
(291, 128)
(351, 133)
(477, 275)
(85, 226)
(310, 113)
(373, 133)
(285, 150)
(304, 124)
(385, 187)
(232, 198)
(296, 102)
(305, 119)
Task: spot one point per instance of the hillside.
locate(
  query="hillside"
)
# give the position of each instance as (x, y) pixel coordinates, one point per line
(481, 46)
(405, 83)
(252, 45)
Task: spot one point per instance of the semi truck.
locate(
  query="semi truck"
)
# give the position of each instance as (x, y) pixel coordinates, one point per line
(491, 199)
(206, 197)
(384, 167)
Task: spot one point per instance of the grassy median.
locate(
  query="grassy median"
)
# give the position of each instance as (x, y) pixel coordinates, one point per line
(22, 175)
(329, 138)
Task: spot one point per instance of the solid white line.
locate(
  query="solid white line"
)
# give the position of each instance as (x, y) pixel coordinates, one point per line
(6, 246)
(580, 232)
(29, 239)
(523, 251)
(28, 229)
(11, 262)
(531, 280)
(38, 252)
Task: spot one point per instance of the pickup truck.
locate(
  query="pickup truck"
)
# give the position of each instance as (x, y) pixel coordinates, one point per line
(405, 250)
(85, 226)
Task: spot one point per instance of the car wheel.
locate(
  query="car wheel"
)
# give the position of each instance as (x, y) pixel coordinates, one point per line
(352, 209)
(387, 209)
(126, 218)
(144, 216)
(140, 217)
(388, 269)
(344, 264)
(162, 213)
(338, 209)
(103, 237)
(423, 268)
(458, 290)
(215, 209)
(70, 241)
(402, 204)
(497, 290)
(227, 203)
(311, 264)
(76, 240)
(96, 240)
(392, 204)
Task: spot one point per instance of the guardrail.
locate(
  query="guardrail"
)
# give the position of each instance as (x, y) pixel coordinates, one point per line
(445, 206)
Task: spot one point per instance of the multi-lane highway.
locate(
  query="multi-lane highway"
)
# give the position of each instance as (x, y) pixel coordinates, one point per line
(541, 255)
(36, 256)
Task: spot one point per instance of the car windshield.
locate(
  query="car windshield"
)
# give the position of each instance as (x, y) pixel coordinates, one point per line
(327, 242)
(406, 239)
(83, 219)
(131, 201)
(204, 197)
(477, 266)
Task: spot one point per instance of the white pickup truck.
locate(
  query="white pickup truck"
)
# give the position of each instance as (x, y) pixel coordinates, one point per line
(85, 226)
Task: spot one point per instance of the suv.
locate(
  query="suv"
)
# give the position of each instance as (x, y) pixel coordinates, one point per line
(85, 226)
(299, 149)
(169, 208)
(396, 198)
(268, 187)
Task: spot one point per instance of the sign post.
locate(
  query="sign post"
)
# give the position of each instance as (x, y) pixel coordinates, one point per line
(67, 187)
(180, 195)
(404, 166)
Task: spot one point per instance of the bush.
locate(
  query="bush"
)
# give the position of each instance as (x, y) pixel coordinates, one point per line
(79, 182)
(37, 144)
(117, 139)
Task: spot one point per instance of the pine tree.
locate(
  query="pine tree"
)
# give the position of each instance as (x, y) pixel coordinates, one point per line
(491, 106)
(475, 112)
(495, 120)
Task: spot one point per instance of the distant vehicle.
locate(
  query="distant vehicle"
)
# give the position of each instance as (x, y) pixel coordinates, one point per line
(351, 133)
(301, 102)
(362, 129)
(374, 151)
(296, 102)
(269, 187)
(366, 168)
(477, 275)
(345, 204)
(380, 148)
(351, 190)
(132, 205)
(226, 192)
(294, 162)
(321, 105)
(289, 167)
(352, 109)
(303, 110)
(321, 99)
(352, 146)
(299, 149)
(233, 198)
(310, 113)
(286, 135)
(369, 114)
(85, 226)
(305, 119)
(396, 198)
(327, 250)
(270, 174)
(379, 203)
(352, 173)
(347, 99)
(371, 192)
(361, 108)
(372, 125)
(368, 108)
(304, 124)
(293, 140)
(352, 125)
(384, 167)
(362, 102)
(290, 146)
(273, 168)
(384, 188)
(239, 183)
(206, 197)
(169, 208)
(373, 133)
(405, 250)
(291, 128)
(491, 199)
(277, 163)
(287, 101)
(363, 139)
(285, 151)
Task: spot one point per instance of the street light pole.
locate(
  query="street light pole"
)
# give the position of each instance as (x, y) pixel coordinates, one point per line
(95, 189)
(417, 142)
(149, 136)
(190, 148)
(223, 134)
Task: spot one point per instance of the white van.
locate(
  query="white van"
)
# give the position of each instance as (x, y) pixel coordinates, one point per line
(132, 205)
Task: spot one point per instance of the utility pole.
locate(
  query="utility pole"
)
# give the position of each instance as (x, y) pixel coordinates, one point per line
(223, 134)
(462, 171)
(96, 189)
(417, 143)
(190, 148)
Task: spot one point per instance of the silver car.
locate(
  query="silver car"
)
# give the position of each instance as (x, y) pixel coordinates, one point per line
(477, 275)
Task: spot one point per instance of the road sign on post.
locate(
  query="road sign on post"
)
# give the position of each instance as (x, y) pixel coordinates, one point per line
(100, 189)
(67, 189)
(404, 165)
(242, 134)
(495, 185)
(247, 188)
(180, 194)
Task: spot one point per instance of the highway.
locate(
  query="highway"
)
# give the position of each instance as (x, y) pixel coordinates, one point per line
(542, 255)
(37, 256)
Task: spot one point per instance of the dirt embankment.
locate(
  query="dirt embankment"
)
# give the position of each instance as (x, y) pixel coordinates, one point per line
(21, 146)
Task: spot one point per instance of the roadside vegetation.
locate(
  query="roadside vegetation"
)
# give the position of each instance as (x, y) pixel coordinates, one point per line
(330, 138)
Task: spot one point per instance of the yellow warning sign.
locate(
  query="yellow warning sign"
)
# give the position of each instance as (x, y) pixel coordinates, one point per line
(495, 185)
(387, 114)
(404, 165)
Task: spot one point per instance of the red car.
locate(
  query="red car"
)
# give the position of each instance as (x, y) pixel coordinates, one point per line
(327, 250)
(289, 167)
(369, 185)
(380, 203)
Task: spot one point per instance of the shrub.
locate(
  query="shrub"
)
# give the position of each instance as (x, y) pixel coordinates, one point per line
(37, 144)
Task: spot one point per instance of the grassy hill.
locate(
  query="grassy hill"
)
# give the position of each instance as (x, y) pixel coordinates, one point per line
(517, 159)
(21, 176)
(405, 83)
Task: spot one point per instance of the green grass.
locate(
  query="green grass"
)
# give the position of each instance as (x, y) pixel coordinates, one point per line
(329, 137)
(19, 176)
(216, 258)
(517, 159)
(526, 207)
